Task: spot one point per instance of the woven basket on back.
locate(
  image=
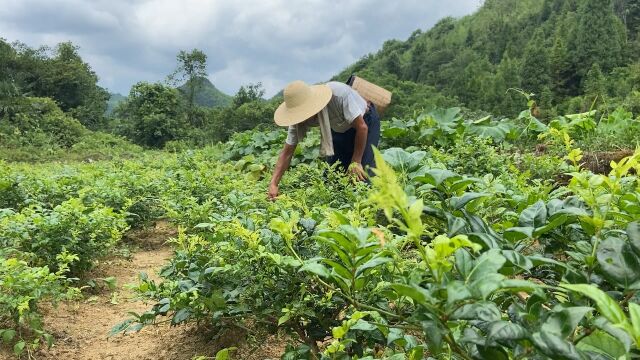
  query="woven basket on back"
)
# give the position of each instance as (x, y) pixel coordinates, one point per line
(371, 92)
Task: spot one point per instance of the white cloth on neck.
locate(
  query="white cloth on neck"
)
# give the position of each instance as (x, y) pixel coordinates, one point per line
(326, 140)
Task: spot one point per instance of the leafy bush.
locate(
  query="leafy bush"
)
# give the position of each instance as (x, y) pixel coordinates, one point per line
(444, 127)
(39, 122)
(22, 288)
(37, 130)
(434, 277)
(152, 115)
(463, 245)
(11, 195)
(99, 146)
(619, 130)
(69, 227)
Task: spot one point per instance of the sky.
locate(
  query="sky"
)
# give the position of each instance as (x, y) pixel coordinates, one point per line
(246, 41)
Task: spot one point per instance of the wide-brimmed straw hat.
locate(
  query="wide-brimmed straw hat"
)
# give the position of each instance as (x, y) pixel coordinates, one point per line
(301, 101)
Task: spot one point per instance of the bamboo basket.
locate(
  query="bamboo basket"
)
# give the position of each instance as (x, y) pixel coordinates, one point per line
(371, 92)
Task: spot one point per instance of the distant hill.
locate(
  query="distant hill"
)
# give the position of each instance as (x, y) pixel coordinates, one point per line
(114, 100)
(569, 53)
(207, 95)
(279, 95)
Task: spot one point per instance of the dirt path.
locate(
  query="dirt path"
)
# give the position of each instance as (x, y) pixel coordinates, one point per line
(81, 328)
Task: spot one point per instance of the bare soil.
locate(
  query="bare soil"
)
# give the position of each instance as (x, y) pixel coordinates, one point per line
(81, 328)
(600, 162)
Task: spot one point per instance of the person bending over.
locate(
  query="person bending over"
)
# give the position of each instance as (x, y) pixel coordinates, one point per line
(349, 127)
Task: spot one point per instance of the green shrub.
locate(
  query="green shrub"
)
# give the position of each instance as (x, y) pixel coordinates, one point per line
(39, 122)
(69, 227)
(11, 195)
(99, 145)
(632, 102)
(22, 289)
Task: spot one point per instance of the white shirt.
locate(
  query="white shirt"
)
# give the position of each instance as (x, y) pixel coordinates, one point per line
(343, 108)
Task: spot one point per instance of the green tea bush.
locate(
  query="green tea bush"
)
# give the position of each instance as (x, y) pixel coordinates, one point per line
(11, 195)
(234, 232)
(22, 289)
(463, 246)
(100, 146)
(474, 267)
(70, 227)
(47, 186)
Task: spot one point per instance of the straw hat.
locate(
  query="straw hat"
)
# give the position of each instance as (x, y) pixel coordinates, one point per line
(301, 102)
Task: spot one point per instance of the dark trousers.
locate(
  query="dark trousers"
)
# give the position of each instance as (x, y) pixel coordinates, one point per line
(343, 143)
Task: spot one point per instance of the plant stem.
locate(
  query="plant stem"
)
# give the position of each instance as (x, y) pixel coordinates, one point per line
(398, 326)
(455, 347)
(372, 308)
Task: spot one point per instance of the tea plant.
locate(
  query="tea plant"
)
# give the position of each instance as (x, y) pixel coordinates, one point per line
(23, 287)
(431, 277)
(465, 245)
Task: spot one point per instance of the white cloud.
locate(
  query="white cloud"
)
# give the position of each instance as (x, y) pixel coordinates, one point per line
(247, 41)
(184, 22)
(241, 72)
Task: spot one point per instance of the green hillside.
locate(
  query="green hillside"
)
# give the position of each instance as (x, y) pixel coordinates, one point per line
(569, 53)
(206, 94)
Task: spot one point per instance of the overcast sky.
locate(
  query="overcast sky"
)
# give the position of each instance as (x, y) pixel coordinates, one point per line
(247, 41)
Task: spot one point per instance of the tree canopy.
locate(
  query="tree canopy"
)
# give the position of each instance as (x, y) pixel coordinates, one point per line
(545, 47)
(59, 74)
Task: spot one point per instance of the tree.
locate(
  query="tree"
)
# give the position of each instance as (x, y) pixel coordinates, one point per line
(9, 89)
(7, 61)
(248, 93)
(152, 114)
(442, 27)
(72, 82)
(535, 66)
(60, 74)
(192, 67)
(599, 37)
(393, 64)
(629, 12)
(563, 73)
(418, 55)
(478, 76)
(634, 14)
(632, 21)
(507, 77)
(249, 115)
(595, 83)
